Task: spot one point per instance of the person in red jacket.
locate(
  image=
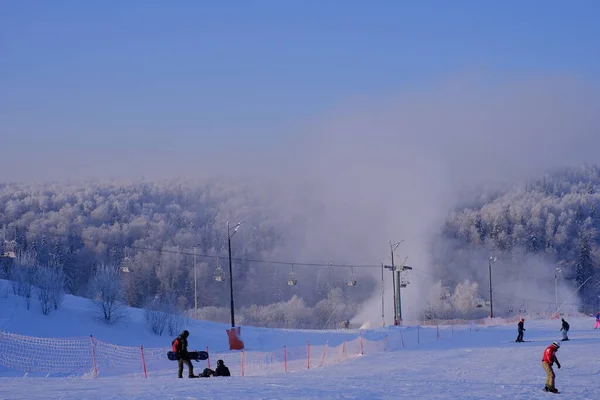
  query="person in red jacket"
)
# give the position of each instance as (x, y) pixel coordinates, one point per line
(548, 360)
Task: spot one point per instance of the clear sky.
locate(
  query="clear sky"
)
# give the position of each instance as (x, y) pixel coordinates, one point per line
(90, 80)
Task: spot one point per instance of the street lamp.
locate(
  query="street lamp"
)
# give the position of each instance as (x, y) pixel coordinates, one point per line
(195, 286)
(491, 261)
(230, 233)
(556, 271)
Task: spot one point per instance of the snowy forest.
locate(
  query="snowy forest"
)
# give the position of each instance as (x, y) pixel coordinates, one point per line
(548, 224)
(150, 235)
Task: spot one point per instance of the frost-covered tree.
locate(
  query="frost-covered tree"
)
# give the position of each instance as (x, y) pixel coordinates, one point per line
(106, 289)
(50, 282)
(23, 276)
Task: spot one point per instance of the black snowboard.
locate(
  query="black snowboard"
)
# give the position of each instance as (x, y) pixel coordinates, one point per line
(194, 355)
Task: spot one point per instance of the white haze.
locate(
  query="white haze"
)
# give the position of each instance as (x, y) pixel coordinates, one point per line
(373, 171)
(392, 170)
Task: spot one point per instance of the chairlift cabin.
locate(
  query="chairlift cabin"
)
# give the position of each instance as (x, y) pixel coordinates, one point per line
(10, 246)
(403, 279)
(219, 274)
(352, 279)
(126, 264)
(522, 309)
(292, 281)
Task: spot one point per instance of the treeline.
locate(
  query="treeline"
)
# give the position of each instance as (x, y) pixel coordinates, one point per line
(150, 230)
(555, 217)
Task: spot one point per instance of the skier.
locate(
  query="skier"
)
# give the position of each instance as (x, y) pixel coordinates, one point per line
(180, 347)
(520, 330)
(564, 329)
(597, 320)
(548, 360)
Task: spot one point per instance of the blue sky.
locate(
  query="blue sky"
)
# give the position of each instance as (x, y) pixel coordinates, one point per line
(121, 76)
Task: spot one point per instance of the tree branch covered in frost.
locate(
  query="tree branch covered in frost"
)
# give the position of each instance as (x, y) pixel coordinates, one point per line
(161, 314)
(106, 287)
(23, 276)
(51, 283)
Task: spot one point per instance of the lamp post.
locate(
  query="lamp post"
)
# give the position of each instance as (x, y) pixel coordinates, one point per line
(556, 271)
(491, 261)
(195, 286)
(230, 233)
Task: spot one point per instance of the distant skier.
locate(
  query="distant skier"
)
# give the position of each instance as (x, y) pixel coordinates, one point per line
(597, 320)
(564, 329)
(548, 360)
(520, 330)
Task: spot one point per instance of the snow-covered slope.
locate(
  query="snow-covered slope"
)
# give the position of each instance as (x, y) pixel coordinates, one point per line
(476, 362)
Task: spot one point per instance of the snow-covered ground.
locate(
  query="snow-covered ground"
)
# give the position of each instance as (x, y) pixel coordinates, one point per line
(460, 362)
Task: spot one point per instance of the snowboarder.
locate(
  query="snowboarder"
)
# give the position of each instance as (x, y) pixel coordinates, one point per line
(564, 329)
(180, 345)
(520, 330)
(548, 360)
(597, 320)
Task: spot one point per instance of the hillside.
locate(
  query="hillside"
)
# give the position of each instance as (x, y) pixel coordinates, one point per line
(156, 228)
(546, 223)
(478, 362)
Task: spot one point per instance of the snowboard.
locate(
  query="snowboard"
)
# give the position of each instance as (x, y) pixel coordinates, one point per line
(194, 355)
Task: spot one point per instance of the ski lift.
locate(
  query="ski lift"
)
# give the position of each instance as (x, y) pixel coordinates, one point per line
(522, 309)
(510, 309)
(352, 279)
(292, 281)
(126, 264)
(488, 303)
(219, 275)
(479, 303)
(10, 246)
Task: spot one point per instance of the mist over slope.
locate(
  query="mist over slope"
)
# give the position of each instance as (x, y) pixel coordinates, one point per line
(364, 174)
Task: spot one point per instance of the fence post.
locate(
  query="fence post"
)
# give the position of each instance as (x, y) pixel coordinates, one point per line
(438, 331)
(453, 328)
(208, 359)
(402, 338)
(285, 359)
(385, 343)
(143, 361)
(418, 334)
(308, 356)
(362, 352)
(243, 361)
(324, 352)
(344, 348)
(94, 365)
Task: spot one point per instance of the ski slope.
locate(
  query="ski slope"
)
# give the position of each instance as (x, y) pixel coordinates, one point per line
(465, 363)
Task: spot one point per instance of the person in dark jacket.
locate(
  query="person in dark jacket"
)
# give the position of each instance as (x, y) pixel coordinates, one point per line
(180, 345)
(520, 330)
(564, 329)
(222, 370)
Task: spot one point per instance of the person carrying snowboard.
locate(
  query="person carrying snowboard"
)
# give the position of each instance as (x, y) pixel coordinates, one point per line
(548, 360)
(564, 329)
(180, 345)
(597, 320)
(520, 330)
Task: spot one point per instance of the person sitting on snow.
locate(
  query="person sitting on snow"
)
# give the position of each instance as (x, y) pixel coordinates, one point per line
(597, 320)
(564, 329)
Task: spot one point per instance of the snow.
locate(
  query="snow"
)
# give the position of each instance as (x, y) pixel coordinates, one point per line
(466, 362)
